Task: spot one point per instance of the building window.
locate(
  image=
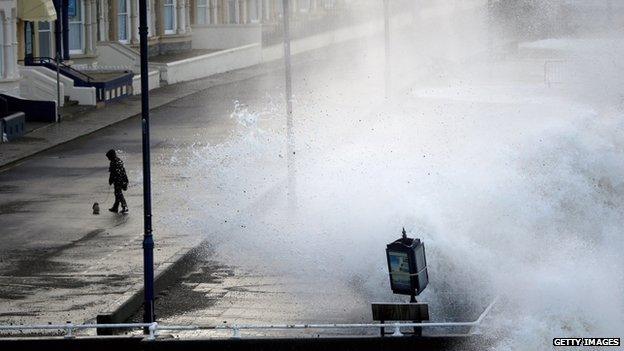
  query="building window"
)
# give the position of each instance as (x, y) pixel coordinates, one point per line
(253, 11)
(76, 27)
(29, 38)
(202, 14)
(150, 23)
(232, 17)
(170, 16)
(304, 5)
(45, 39)
(123, 20)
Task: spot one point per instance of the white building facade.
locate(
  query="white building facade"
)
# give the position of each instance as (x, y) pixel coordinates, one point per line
(9, 73)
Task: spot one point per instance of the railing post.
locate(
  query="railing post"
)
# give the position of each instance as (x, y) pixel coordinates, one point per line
(69, 330)
(153, 331)
(397, 331)
(236, 333)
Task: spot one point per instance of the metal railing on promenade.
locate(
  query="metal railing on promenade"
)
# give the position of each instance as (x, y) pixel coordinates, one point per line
(155, 328)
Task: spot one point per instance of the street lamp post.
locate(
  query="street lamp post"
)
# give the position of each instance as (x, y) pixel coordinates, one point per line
(57, 34)
(58, 27)
(290, 158)
(386, 4)
(287, 65)
(148, 240)
(407, 266)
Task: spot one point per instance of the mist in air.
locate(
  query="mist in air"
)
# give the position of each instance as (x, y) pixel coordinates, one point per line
(499, 144)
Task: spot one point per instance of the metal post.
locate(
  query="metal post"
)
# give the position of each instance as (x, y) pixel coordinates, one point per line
(58, 71)
(290, 158)
(386, 4)
(148, 240)
(417, 330)
(65, 24)
(58, 86)
(58, 28)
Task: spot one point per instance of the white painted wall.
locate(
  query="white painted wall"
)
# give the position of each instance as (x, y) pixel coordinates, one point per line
(9, 73)
(112, 54)
(11, 87)
(83, 95)
(225, 36)
(209, 64)
(38, 86)
(276, 52)
(153, 81)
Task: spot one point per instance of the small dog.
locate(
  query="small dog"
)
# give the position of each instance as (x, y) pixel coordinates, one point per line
(96, 208)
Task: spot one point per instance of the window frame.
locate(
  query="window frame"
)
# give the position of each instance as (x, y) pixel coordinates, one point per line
(82, 30)
(206, 19)
(127, 15)
(174, 23)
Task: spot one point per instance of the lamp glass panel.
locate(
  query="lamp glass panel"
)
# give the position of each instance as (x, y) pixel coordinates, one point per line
(399, 269)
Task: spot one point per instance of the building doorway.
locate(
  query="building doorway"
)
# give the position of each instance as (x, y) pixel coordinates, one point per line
(29, 42)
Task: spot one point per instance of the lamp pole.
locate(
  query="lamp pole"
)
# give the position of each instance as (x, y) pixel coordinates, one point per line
(58, 70)
(58, 27)
(290, 158)
(148, 240)
(386, 4)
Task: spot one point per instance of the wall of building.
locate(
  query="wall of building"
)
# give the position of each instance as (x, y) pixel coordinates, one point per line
(209, 64)
(225, 36)
(9, 73)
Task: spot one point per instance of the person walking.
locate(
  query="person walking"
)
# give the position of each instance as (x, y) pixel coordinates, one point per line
(119, 180)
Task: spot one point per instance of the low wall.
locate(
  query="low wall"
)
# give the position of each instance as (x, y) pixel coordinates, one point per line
(116, 54)
(38, 86)
(83, 95)
(35, 111)
(276, 52)
(226, 36)
(153, 81)
(346, 343)
(209, 64)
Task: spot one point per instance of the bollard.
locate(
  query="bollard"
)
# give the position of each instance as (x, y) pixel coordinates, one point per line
(153, 331)
(397, 331)
(69, 328)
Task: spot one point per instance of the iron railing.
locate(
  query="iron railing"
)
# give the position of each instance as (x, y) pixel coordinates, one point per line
(51, 63)
(154, 328)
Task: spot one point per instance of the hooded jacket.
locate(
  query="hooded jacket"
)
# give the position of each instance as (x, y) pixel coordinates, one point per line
(117, 173)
